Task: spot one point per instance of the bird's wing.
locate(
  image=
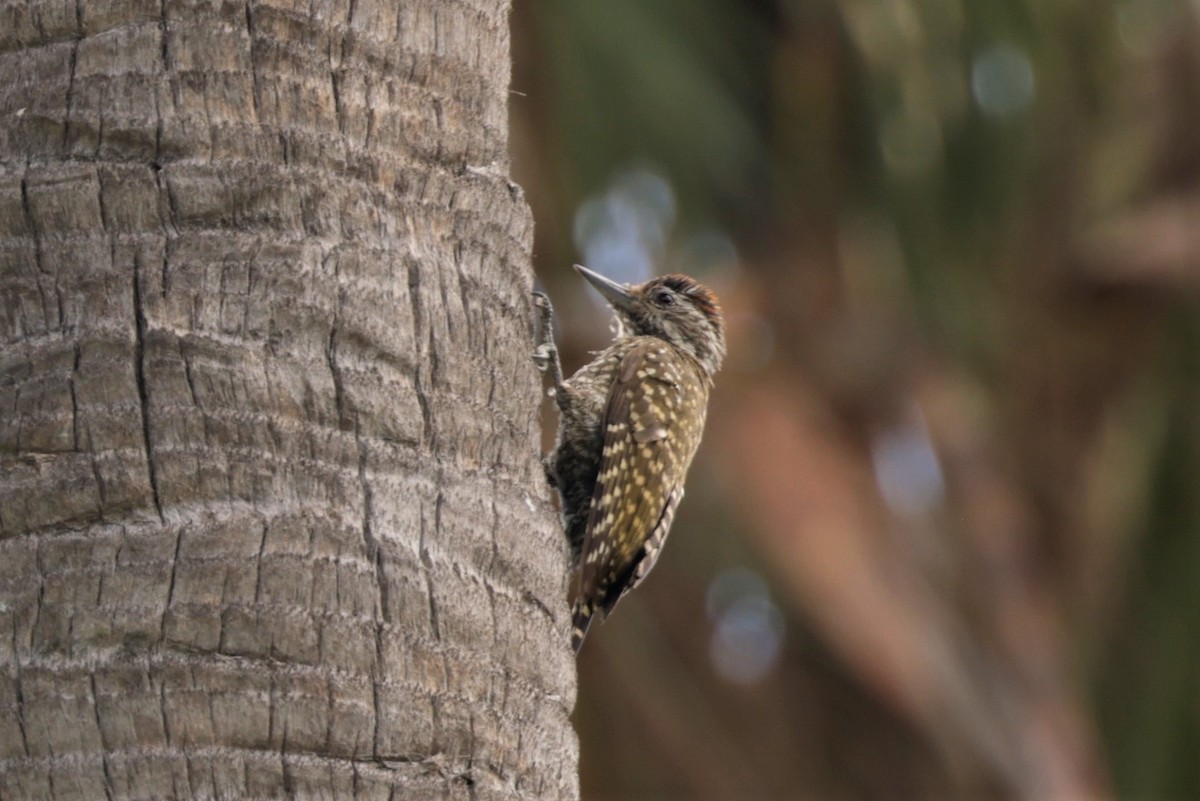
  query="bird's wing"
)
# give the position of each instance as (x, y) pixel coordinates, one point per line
(640, 480)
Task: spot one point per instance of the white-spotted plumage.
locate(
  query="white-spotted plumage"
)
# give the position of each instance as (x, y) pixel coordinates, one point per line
(644, 462)
(630, 423)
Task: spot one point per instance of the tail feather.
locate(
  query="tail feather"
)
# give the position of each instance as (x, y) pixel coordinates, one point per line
(581, 620)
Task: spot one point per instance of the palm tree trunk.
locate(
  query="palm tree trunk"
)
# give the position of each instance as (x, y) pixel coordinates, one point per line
(271, 521)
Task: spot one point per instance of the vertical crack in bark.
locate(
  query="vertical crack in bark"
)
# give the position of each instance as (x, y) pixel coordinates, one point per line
(162, 635)
(167, 220)
(158, 112)
(490, 577)
(337, 100)
(162, 708)
(20, 698)
(376, 701)
(331, 354)
(339, 397)
(108, 782)
(70, 100)
(139, 367)
(472, 749)
(258, 577)
(289, 777)
(41, 598)
(75, 401)
(283, 747)
(373, 546)
(464, 288)
(188, 791)
(419, 324)
(375, 556)
(272, 708)
(58, 301)
(425, 389)
(189, 378)
(427, 560)
(165, 269)
(330, 708)
(38, 256)
(99, 488)
(253, 61)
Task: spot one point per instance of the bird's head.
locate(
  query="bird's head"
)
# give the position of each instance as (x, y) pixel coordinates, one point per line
(675, 308)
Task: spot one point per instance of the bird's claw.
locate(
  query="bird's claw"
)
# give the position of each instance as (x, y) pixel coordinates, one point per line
(545, 316)
(543, 356)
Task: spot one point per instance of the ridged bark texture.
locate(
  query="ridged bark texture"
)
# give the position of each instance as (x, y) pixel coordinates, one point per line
(271, 520)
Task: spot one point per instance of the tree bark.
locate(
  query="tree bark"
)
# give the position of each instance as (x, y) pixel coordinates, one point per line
(271, 519)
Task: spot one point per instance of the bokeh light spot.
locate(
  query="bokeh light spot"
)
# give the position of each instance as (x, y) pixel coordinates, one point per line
(747, 627)
(1002, 80)
(622, 232)
(907, 469)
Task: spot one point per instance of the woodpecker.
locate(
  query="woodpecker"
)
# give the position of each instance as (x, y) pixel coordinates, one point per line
(629, 424)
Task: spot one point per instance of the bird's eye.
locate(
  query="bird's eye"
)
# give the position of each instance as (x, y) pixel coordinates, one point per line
(664, 298)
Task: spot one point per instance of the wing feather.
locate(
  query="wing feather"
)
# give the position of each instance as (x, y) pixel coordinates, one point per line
(641, 474)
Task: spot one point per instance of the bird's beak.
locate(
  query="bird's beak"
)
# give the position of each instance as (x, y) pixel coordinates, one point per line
(616, 294)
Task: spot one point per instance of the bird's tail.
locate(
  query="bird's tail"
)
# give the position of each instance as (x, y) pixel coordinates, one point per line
(581, 619)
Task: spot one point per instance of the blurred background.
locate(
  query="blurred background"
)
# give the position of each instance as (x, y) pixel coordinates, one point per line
(942, 540)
